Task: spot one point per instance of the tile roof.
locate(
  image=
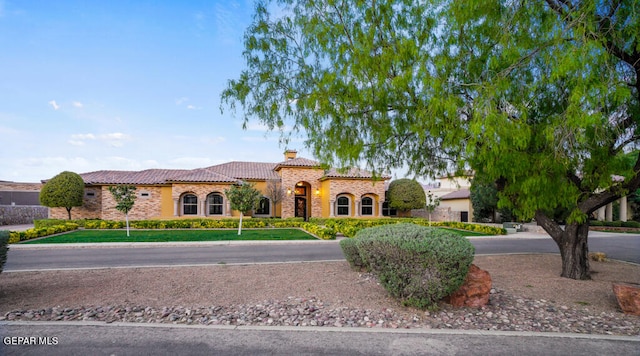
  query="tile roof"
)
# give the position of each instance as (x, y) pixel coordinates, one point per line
(224, 173)
(246, 170)
(458, 194)
(148, 176)
(202, 175)
(351, 173)
(298, 162)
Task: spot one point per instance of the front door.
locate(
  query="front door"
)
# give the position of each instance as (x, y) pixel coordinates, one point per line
(301, 208)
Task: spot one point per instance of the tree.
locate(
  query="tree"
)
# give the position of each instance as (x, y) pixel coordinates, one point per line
(65, 190)
(406, 194)
(125, 197)
(541, 97)
(274, 192)
(243, 197)
(432, 203)
(484, 199)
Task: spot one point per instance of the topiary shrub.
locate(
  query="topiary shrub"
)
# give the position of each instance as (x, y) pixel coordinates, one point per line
(4, 241)
(351, 254)
(418, 264)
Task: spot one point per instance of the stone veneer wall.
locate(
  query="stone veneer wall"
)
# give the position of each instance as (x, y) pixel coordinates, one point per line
(358, 188)
(144, 207)
(291, 176)
(91, 206)
(17, 215)
(201, 191)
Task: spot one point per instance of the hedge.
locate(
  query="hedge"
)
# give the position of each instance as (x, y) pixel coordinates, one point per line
(350, 226)
(4, 241)
(17, 236)
(417, 264)
(631, 224)
(325, 233)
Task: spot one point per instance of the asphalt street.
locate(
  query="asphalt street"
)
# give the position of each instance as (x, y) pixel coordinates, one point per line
(153, 339)
(625, 247)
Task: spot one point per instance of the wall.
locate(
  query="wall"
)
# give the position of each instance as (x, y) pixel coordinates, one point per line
(18, 215)
(291, 176)
(91, 206)
(358, 188)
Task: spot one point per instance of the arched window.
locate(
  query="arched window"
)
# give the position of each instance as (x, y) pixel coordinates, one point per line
(190, 204)
(366, 206)
(263, 206)
(215, 203)
(343, 204)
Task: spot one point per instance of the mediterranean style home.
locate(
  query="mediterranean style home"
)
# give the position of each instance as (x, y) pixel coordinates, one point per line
(307, 191)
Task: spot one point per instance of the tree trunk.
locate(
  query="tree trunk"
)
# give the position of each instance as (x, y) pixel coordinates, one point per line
(69, 212)
(126, 216)
(240, 225)
(572, 242)
(574, 250)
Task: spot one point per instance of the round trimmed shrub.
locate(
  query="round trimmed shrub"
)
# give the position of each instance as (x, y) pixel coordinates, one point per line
(351, 254)
(418, 264)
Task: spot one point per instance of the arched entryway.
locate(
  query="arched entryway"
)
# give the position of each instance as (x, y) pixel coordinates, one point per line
(302, 202)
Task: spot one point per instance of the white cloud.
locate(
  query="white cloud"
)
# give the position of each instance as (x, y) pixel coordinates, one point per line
(114, 139)
(76, 143)
(181, 100)
(83, 137)
(191, 107)
(54, 105)
(77, 104)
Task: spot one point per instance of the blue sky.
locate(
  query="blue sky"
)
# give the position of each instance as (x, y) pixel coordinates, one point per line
(124, 85)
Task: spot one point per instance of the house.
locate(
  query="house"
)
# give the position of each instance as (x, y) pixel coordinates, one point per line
(307, 189)
(455, 199)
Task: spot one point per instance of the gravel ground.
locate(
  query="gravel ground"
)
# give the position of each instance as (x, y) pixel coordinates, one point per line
(528, 295)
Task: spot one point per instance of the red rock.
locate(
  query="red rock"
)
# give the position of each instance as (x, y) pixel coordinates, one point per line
(628, 296)
(475, 290)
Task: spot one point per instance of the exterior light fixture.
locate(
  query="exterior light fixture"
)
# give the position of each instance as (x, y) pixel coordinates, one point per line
(317, 191)
(288, 191)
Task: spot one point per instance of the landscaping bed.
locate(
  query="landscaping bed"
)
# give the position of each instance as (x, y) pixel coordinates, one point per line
(100, 236)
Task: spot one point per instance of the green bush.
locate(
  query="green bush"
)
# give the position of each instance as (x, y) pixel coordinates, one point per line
(4, 241)
(351, 254)
(325, 233)
(418, 264)
(17, 236)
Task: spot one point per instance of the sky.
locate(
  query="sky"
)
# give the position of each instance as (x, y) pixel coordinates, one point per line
(123, 85)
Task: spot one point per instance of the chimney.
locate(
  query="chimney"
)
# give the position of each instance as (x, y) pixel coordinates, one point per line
(290, 154)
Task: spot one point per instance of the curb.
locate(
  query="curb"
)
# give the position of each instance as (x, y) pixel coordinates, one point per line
(316, 329)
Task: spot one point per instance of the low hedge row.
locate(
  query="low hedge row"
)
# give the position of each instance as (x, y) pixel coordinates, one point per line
(417, 264)
(632, 224)
(4, 241)
(349, 226)
(325, 233)
(17, 236)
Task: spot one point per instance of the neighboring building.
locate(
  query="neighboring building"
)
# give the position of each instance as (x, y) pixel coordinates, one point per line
(19, 194)
(309, 191)
(20, 203)
(455, 201)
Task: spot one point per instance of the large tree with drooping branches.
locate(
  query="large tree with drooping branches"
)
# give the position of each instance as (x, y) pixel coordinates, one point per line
(541, 97)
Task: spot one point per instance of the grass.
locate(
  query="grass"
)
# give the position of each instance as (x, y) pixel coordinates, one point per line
(465, 232)
(91, 236)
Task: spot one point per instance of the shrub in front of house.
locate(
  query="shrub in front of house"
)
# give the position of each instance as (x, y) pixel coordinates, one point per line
(4, 241)
(17, 236)
(417, 264)
(351, 254)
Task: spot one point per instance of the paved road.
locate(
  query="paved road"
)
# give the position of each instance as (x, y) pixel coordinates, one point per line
(137, 339)
(624, 247)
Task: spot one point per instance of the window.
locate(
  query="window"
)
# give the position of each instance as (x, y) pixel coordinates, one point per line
(190, 204)
(343, 205)
(367, 206)
(263, 206)
(215, 203)
(91, 194)
(387, 211)
(144, 194)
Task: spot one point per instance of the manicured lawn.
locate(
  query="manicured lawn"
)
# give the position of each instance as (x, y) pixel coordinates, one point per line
(466, 232)
(84, 236)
